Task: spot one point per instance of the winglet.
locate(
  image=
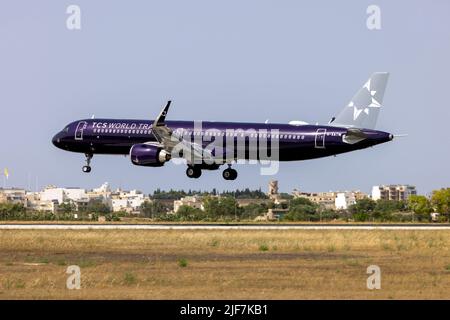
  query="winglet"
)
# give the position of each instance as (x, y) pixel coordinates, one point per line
(159, 121)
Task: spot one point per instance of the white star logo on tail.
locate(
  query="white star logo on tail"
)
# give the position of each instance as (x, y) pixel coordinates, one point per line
(374, 103)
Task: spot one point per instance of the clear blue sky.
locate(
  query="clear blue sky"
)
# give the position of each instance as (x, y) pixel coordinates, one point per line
(224, 60)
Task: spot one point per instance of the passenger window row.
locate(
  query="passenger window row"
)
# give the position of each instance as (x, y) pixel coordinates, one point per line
(206, 133)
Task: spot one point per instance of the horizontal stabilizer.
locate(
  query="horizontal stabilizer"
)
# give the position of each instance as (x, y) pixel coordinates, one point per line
(353, 136)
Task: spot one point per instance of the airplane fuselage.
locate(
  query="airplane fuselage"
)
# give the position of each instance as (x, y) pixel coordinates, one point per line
(112, 136)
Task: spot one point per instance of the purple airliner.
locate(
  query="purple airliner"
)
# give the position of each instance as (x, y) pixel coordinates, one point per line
(207, 145)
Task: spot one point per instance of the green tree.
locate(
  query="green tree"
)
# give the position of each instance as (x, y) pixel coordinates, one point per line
(10, 211)
(419, 204)
(171, 194)
(66, 207)
(441, 201)
(253, 210)
(300, 201)
(385, 209)
(364, 205)
(389, 206)
(302, 209)
(153, 209)
(188, 213)
(360, 216)
(220, 208)
(211, 206)
(245, 194)
(97, 206)
(363, 210)
(229, 206)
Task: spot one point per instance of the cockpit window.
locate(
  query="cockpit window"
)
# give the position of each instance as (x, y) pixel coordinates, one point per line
(66, 129)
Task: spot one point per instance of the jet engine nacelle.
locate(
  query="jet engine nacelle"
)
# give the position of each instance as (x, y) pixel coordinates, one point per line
(148, 155)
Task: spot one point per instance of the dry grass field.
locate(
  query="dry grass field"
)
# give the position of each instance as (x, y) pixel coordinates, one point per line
(228, 264)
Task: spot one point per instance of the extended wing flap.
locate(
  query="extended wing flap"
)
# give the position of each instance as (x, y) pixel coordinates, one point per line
(170, 140)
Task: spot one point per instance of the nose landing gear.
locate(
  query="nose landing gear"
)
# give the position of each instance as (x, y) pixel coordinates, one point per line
(87, 167)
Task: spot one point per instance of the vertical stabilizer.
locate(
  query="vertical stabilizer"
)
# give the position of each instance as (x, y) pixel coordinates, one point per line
(362, 111)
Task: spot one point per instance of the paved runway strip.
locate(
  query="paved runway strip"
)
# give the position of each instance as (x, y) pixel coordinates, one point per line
(222, 227)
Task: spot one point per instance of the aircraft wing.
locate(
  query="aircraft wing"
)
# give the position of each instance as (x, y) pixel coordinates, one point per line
(171, 140)
(163, 133)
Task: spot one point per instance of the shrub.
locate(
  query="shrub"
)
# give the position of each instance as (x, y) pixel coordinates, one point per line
(129, 279)
(182, 263)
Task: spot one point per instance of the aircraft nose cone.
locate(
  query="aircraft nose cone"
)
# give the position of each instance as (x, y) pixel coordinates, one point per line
(57, 140)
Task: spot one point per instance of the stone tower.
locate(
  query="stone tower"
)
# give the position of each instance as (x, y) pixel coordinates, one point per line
(273, 188)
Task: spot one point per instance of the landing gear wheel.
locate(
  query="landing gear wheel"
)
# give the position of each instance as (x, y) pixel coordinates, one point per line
(86, 169)
(229, 174)
(193, 172)
(226, 174)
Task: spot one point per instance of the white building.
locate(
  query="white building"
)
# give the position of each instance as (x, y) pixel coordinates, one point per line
(51, 206)
(52, 193)
(344, 200)
(104, 188)
(191, 201)
(61, 195)
(129, 201)
(103, 193)
(75, 194)
(325, 199)
(119, 205)
(395, 192)
(51, 197)
(13, 195)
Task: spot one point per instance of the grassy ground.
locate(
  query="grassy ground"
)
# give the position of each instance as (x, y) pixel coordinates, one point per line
(232, 264)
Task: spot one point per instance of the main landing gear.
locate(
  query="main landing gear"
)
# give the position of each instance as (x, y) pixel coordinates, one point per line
(196, 171)
(229, 174)
(193, 172)
(87, 167)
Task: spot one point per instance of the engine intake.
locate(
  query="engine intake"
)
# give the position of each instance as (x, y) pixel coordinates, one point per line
(148, 155)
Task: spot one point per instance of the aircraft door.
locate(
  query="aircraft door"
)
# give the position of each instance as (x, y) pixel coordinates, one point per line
(82, 125)
(320, 138)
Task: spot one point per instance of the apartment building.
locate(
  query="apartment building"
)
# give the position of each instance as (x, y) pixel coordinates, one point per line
(395, 192)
